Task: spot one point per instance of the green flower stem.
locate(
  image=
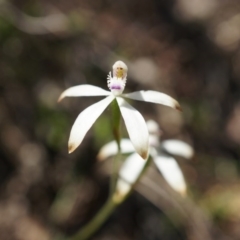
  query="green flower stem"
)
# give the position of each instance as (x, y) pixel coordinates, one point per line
(87, 231)
(113, 202)
(114, 175)
(116, 119)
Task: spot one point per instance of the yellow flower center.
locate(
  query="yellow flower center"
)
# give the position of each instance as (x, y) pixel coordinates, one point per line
(119, 72)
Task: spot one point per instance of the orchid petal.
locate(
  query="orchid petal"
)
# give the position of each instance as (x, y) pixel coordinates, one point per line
(154, 97)
(111, 149)
(177, 147)
(136, 127)
(85, 120)
(171, 172)
(129, 173)
(131, 168)
(83, 91)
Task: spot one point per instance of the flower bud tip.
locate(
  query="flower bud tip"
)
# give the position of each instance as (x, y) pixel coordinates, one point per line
(60, 98)
(178, 107)
(71, 148)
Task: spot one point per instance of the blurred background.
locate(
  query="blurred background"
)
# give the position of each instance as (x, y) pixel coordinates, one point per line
(188, 49)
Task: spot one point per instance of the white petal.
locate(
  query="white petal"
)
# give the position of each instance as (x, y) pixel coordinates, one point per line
(171, 171)
(154, 97)
(111, 149)
(177, 147)
(153, 127)
(129, 173)
(83, 91)
(85, 120)
(136, 127)
(131, 168)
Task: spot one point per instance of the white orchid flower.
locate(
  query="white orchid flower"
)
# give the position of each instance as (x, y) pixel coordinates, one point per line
(161, 154)
(135, 124)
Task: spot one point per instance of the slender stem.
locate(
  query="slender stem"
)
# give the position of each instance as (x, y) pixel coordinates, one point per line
(114, 200)
(97, 221)
(114, 174)
(116, 119)
(89, 229)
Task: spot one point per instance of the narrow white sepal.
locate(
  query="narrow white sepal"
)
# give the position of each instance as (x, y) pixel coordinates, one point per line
(171, 172)
(129, 173)
(136, 127)
(85, 120)
(154, 97)
(83, 91)
(131, 168)
(178, 148)
(111, 149)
